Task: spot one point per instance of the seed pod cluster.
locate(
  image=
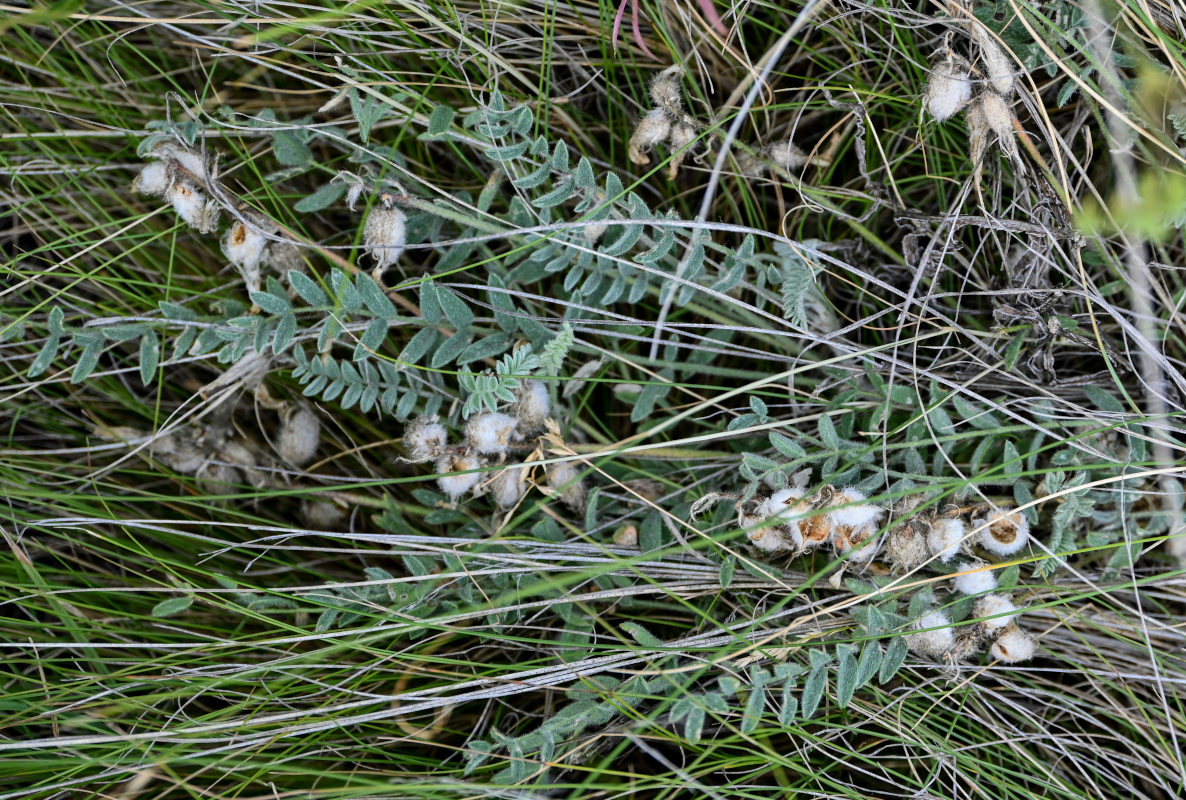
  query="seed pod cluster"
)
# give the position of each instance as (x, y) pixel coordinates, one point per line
(666, 122)
(935, 637)
(219, 458)
(484, 453)
(183, 178)
(790, 521)
(952, 85)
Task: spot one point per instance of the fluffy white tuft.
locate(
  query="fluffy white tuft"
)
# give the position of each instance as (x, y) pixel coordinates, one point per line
(425, 438)
(932, 643)
(949, 90)
(385, 234)
(509, 486)
(455, 485)
(779, 504)
(491, 433)
(1003, 532)
(532, 406)
(946, 538)
(853, 513)
(1012, 646)
(998, 608)
(979, 582)
(152, 180)
(565, 478)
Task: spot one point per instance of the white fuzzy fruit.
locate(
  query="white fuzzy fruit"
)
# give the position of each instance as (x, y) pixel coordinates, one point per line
(565, 478)
(946, 538)
(997, 116)
(683, 136)
(665, 90)
(978, 582)
(786, 155)
(509, 486)
(299, 437)
(1003, 532)
(996, 64)
(244, 245)
(854, 522)
(780, 504)
(652, 129)
(451, 482)
(949, 90)
(998, 608)
(385, 233)
(532, 406)
(193, 207)
(932, 643)
(425, 438)
(152, 180)
(1012, 646)
(491, 433)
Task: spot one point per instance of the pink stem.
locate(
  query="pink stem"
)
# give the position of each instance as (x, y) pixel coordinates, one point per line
(714, 19)
(637, 34)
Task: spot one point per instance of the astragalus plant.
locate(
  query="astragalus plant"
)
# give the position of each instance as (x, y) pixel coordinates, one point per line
(438, 399)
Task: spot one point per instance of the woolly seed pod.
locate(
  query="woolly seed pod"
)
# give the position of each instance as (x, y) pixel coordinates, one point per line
(452, 482)
(932, 643)
(978, 582)
(764, 526)
(948, 90)
(509, 486)
(750, 165)
(178, 452)
(853, 522)
(906, 548)
(491, 433)
(997, 116)
(385, 233)
(665, 92)
(565, 479)
(238, 453)
(215, 478)
(244, 246)
(786, 155)
(193, 207)
(946, 538)
(188, 160)
(782, 534)
(652, 129)
(683, 134)
(1003, 532)
(997, 65)
(425, 438)
(780, 504)
(1013, 645)
(299, 437)
(323, 514)
(978, 131)
(998, 608)
(531, 407)
(152, 180)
